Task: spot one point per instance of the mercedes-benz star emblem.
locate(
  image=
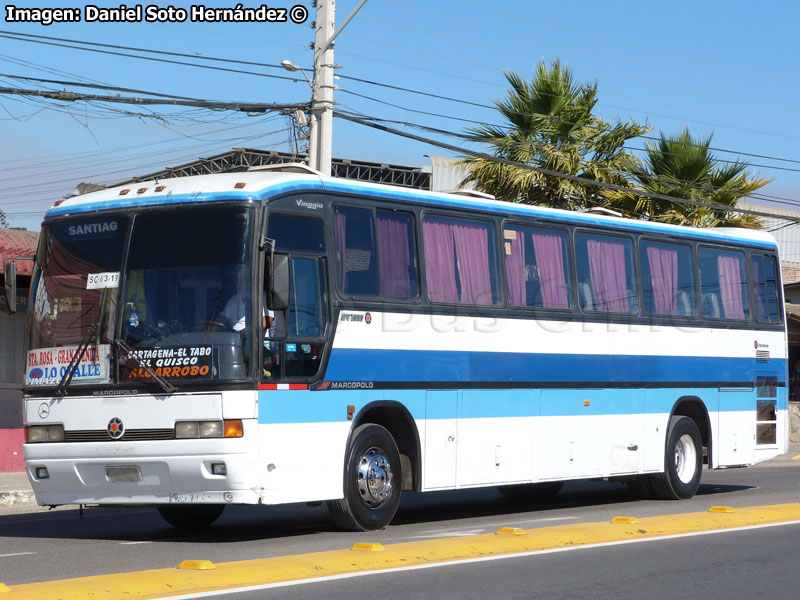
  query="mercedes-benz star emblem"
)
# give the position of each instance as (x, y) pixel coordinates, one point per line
(44, 410)
(115, 428)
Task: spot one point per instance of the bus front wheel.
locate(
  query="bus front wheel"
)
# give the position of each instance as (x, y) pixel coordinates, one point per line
(683, 461)
(372, 481)
(191, 516)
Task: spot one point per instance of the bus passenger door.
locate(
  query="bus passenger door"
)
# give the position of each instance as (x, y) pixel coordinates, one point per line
(441, 439)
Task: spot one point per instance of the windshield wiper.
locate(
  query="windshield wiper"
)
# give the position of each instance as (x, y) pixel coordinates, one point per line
(66, 378)
(129, 353)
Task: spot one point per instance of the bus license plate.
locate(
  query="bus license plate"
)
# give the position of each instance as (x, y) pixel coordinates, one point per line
(126, 474)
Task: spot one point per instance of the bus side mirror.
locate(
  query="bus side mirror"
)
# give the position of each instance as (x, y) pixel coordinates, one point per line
(10, 271)
(278, 291)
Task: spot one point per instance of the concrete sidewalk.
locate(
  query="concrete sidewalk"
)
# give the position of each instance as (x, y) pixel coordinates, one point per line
(16, 489)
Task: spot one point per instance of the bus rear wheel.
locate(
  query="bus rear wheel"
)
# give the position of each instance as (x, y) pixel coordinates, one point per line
(191, 516)
(683, 461)
(372, 481)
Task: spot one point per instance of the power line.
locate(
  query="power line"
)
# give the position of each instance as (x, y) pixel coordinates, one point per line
(453, 148)
(620, 41)
(67, 96)
(549, 117)
(508, 32)
(260, 64)
(17, 37)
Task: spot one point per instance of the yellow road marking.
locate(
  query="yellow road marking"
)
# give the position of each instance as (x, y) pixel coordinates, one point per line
(160, 583)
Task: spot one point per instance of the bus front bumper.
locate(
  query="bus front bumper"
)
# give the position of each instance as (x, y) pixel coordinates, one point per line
(212, 478)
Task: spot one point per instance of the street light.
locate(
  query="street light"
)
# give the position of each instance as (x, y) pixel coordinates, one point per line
(293, 68)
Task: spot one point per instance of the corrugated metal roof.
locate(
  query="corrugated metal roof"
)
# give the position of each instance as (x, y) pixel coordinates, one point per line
(447, 174)
(783, 225)
(18, 242)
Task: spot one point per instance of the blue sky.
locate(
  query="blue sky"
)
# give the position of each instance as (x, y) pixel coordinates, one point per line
(724, 68)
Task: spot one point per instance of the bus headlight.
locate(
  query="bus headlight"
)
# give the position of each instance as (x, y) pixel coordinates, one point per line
(209, 429)
(36, 434)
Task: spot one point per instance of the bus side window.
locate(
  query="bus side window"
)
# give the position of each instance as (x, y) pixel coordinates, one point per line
(723, 284)
(667, 278)
(606, 269)
(765, 289)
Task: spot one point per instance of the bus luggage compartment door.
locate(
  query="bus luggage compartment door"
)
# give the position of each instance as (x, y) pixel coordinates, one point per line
(441, 439)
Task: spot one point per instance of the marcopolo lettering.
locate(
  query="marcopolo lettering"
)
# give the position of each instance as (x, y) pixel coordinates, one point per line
(352, 385)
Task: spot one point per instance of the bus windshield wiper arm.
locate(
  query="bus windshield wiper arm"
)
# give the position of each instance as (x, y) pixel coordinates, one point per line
(129, 353)
(66, 378)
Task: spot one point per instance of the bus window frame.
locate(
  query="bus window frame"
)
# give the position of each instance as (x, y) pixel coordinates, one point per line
(694, 267)
(571, 270)
(499, 274)
(634, 239)
(373, 208)
(745, 252)
(752, 253)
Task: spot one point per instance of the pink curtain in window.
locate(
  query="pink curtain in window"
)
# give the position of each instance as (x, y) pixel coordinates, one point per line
(515, 268)
(607, 274)
(550, 262)
(394, 257)
(664, 279)
(440, 272)
(472, 252)
(730, 287)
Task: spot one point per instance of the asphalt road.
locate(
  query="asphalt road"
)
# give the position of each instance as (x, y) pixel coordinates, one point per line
(40, 545)
(725, 566)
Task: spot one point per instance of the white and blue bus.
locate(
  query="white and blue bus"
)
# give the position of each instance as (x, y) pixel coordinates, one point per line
(276, 336)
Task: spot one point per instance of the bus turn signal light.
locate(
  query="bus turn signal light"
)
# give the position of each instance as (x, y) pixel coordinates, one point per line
(233, 428)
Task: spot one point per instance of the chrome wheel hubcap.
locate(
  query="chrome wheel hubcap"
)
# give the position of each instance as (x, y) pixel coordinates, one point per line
(374, 478)
(685, 458)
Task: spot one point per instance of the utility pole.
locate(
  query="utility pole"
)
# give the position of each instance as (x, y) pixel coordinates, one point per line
(320, 141)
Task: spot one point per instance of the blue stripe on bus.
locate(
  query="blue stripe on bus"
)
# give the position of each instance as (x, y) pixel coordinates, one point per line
(403, 196)
(300, 406)
(423, 365)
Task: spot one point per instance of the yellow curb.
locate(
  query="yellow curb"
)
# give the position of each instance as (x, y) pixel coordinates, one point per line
(721, 509)
(159, 583)
(4, 588)
(511, 531)
(197, 565)
(365, 547)
(630, 520)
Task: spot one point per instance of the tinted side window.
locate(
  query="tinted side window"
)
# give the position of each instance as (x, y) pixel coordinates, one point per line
(606, 273)
(460, 260)
(537, 267)
(356, 264)
(667, 279)
(296, 234)
(765, 289)
(723, 284)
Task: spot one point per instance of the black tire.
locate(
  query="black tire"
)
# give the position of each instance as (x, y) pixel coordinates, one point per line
(683, 461)
(532, 491)
(372, 481)
(191, 517)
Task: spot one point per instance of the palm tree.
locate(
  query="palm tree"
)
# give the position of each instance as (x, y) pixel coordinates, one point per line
(551, 126)
(683, 166)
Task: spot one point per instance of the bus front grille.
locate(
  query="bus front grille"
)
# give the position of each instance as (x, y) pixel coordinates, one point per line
(130, 435)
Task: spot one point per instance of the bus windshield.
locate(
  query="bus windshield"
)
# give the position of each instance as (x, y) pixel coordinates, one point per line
(186, 300)
(78, 273)
(180, 309)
